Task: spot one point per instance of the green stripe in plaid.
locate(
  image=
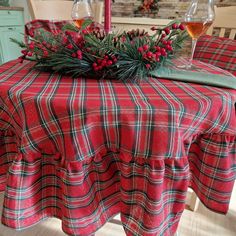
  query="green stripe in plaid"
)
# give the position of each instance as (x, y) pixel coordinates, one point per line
(217, 51)
(84, 150)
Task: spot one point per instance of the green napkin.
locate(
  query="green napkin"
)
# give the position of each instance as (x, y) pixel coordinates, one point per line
(202, 73)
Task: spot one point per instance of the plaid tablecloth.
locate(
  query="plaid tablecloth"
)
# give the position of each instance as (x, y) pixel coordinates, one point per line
(85, 150)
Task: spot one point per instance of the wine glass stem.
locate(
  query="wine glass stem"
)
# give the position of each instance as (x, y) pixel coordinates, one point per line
(194, 42)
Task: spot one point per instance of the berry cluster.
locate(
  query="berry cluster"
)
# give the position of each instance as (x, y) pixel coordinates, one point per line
(104, 62)
(163, 45)
(42, 49)
(78, 54)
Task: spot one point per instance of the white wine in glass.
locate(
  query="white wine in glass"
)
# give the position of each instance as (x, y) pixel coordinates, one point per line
(198, 18)
(81, 11)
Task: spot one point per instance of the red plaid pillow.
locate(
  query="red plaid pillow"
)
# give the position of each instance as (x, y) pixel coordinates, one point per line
(51, 26)
(220, 52)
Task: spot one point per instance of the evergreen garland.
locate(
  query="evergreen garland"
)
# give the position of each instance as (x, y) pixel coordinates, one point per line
(89, 52)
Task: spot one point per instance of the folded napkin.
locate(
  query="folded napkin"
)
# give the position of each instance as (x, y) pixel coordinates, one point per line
(201, 73)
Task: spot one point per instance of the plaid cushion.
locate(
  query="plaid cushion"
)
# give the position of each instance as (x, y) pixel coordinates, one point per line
(50, 26)
(217, 51)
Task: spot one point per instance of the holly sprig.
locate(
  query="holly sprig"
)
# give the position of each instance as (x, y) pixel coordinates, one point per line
(90, 52)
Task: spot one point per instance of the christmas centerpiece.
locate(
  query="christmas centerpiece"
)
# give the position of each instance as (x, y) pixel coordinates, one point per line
(89, 51)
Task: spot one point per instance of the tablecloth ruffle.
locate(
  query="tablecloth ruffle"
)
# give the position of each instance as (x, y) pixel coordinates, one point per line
(213, 170)
(48, 186)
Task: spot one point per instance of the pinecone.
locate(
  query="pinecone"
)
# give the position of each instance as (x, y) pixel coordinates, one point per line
(99, 33)
(136, 33)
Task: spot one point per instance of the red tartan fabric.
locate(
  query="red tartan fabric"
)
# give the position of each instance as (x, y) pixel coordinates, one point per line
(48, 25)
(84, 150)
(54, 27)
(217, 51)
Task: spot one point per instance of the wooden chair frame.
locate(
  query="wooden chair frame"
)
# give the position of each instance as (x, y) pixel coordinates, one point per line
(59, 9)
(225, 19)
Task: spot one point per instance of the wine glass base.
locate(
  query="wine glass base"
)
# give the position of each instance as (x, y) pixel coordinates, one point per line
(185, 67)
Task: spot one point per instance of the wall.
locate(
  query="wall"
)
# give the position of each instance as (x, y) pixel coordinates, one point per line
(170, 9)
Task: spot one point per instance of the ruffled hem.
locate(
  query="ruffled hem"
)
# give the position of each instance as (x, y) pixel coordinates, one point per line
(149, 193)
(86, 194)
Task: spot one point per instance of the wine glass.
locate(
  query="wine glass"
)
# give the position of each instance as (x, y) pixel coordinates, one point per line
(81, 11)
(198, 18)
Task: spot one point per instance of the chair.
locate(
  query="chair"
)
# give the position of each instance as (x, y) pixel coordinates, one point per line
(220, 50)
(225, 20)
(130, 23)
(59, 10)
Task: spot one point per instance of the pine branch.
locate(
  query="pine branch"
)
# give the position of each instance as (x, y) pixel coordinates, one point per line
(19, 43)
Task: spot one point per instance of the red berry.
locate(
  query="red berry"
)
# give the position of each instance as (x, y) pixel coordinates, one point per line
(163, 36)
(140, 49)
(79, 38)
(174, 26)
(164, 42)
(73, 54)
(104, 62)
(79, 54)
(158, 48)
(45, 53)
(163, 52)
(31, 46)
(109, 62)
(167, 31)
(30, 54)
(148, 66)
(95, 64)
(169, 48)
(24, 52)
(69, 46)
(149, 54)
(21, 59)
(64, 40)
(181, 27)
(67, 32)
(145, 47)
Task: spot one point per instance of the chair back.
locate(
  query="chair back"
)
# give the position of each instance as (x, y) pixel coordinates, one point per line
(59, 10)
(226, 21)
